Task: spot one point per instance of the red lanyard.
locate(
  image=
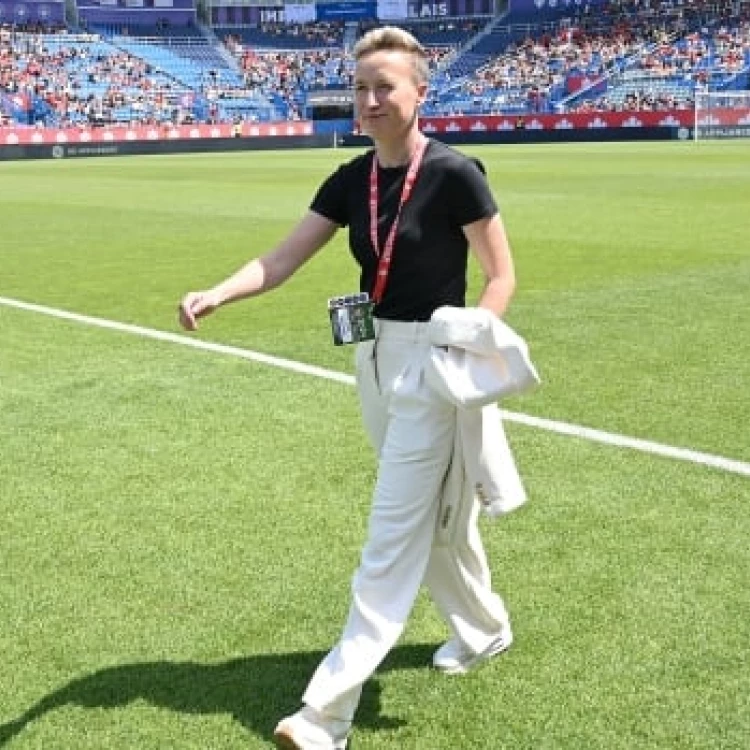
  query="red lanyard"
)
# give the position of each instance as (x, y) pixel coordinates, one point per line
(384, 262)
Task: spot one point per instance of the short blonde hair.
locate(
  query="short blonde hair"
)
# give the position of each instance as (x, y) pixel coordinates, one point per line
(398, 40)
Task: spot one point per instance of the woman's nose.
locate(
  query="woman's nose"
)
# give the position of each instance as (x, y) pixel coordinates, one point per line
(370, 99)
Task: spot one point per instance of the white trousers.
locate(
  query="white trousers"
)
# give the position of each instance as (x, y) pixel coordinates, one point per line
(412, 430)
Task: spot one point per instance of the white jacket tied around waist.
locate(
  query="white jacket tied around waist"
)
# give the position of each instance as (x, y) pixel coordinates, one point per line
(476, 359)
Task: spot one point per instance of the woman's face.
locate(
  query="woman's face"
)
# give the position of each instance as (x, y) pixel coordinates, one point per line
(387, 94)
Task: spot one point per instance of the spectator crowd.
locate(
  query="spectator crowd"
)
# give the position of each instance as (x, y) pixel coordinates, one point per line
(625, 55)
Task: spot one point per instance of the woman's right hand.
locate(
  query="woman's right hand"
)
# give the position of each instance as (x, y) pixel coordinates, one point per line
(261, 274)
(196, 305)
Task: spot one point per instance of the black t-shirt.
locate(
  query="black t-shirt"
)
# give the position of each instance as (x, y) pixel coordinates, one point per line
(429, 261)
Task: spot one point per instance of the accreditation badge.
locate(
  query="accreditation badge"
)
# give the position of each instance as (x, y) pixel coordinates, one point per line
(351, 318)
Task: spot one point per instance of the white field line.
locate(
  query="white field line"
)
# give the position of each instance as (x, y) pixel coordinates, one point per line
(729, 465)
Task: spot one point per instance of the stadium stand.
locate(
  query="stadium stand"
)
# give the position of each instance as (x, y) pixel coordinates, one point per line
(532, 58)
(567, 61)
(296, 36)
(665, 75)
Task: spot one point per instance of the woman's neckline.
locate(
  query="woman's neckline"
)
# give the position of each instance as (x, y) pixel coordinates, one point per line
(393, 170)
(404, 164)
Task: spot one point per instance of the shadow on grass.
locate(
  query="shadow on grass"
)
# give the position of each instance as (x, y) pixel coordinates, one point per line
(257, 690)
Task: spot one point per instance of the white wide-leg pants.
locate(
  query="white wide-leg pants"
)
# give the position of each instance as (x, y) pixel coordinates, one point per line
(412, 430)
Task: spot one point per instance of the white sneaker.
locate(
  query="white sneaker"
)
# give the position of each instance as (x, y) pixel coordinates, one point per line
(310, 730)
(455, 657)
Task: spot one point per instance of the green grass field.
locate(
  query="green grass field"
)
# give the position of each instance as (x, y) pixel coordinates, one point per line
(179, 527)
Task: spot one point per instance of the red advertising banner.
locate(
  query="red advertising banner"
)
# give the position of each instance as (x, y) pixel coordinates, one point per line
(641, 119)
(29, 136)
(24, 135)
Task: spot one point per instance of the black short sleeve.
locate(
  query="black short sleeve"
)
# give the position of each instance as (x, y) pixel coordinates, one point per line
(331, 199)
(471, 198)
